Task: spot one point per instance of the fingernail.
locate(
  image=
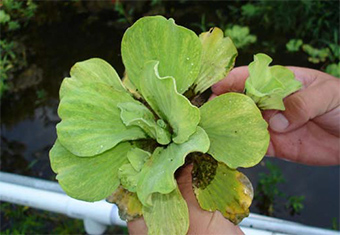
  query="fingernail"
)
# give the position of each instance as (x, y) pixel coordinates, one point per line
(278, 122)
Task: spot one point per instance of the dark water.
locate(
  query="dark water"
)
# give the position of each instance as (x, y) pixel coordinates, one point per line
(29, 115)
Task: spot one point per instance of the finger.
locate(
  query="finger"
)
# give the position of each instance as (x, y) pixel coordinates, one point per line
(308, 76)
(305, 105)
(234, 82)
(137, 226)
(201, 221)
(309, 145)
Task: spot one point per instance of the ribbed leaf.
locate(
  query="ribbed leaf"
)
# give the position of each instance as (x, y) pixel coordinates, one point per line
(238, 134)
(228, 191)
(95, 70)
(172, 107)
(88, 179)
(129, 173)
(267, 86)
(136, 114)
(218, 58)
(168, 214)
(90, 117)
(157, 174)
(178, 50)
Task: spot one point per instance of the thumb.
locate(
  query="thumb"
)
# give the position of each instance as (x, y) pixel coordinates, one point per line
(306, 104)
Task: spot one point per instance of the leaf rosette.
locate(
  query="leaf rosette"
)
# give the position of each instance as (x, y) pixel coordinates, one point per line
(124, 141)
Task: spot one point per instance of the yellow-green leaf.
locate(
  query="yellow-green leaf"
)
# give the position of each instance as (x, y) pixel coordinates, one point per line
(178, 50)
(218, 58)
(157, 174)
(128, 204)
(238, 134)
(168, 214)
(90, 119)
(95, 70)
(91, 178)
(267, 86)
(136, 114)
(229, 191)
(167, 103)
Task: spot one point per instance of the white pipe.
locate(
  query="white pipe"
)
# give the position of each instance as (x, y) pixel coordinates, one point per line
(96, 215)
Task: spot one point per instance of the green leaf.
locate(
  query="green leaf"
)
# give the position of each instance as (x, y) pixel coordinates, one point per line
(294, 45)
(128, 177)
(267, 86)
(136, 114)
(229, 192)
(167, 103)
(241, 36)
(128, 204)
(88, 179)
(237, 132)
(178, 50)
(4, 17)
(157, 174)
(128, 173)
(218, 58)
(333, 69)
(168, 214)
(90, 117)
(137, 157)
(91, 71)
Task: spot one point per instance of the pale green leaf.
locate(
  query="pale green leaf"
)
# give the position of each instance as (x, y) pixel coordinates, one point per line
(238, 134)
(137, 157)
(157, 174)
(94, 70)
(128, 177)
(128, 204)
(88, 179)
(128, 173)
(218, 58)
(90, 117)
(168, 214)
(136, 114)
(229, 191)
(167, 103)
(241, 36)
(178, 50)
(267, 86)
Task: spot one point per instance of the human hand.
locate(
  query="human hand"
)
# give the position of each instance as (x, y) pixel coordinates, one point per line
(308, 130)
(201, 222)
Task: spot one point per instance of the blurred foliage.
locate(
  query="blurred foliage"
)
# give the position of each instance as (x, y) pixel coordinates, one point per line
(295, 204)
(314, 22)
(267, 189)
(24, 220)
(333, 69)
(240, 36)
(268, 192)
(279, 25)
(14, 15)
(316, 55)
(294, 45)
(316, 19)
(335, 224)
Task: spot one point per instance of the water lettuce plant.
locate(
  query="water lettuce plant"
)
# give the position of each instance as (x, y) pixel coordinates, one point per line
(124, 141)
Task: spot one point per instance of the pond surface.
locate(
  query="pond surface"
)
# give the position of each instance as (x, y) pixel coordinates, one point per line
(29, 115)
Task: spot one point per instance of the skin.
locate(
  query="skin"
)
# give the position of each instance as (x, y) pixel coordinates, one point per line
(306, 132)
